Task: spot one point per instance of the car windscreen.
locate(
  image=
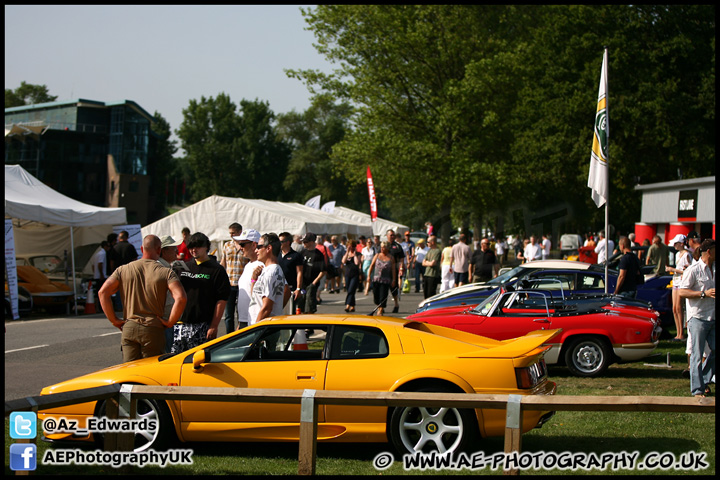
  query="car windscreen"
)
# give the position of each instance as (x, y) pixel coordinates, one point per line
(508, 276)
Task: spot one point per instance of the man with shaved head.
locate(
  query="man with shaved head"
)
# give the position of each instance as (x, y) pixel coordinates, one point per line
(143, 285)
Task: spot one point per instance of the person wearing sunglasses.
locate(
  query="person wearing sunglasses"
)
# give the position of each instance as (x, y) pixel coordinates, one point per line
(270, 291)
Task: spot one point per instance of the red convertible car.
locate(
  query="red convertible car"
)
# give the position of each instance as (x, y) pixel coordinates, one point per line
(594, 334)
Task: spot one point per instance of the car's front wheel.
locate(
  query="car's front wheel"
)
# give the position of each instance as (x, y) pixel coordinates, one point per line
(150, 413)
(424, 429)
(588, 356)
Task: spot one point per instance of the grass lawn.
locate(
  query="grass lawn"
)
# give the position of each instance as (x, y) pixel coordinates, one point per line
(581, 436)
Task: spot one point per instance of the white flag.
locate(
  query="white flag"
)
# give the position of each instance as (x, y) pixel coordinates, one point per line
(598, 177)
(314, 202)
(329, 207)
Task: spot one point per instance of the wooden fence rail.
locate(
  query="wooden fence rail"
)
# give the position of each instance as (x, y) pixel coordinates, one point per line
(124, 399)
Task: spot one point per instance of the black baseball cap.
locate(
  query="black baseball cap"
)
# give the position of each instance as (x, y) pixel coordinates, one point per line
(308, 237)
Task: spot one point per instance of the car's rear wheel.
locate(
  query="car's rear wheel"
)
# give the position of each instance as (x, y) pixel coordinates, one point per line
(423, 429)
(588, 356)
(153, 412)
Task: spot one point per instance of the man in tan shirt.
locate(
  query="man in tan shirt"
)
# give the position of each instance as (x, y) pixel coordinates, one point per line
(143, 286)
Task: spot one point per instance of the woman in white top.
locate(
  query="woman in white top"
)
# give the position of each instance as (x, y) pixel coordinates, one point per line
(420, 251)
(368, 252)
(446, 261)
(682, 261)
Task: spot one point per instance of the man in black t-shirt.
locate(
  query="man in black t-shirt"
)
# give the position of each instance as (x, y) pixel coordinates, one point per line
(628, 271)
(483, 263)
(207, 287)
(291, 263)
(313, 271)
(125, 250)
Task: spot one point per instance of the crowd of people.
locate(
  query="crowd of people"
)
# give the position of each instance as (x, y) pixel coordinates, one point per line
(174, 297)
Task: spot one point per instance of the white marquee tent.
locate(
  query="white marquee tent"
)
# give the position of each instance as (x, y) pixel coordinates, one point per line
(41, 216)
(213, 215)
(379, 226)
(28, 198)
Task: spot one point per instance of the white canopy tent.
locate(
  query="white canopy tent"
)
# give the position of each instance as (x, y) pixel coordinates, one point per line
(41, 216)
(213, 215)
(379, 226)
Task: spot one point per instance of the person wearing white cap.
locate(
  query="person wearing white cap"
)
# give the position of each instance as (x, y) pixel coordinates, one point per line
(682, 261)
(168, 256)
(247, 240)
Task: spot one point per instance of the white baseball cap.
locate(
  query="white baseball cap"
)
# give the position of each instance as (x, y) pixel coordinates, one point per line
(249, 235)
(679, 238)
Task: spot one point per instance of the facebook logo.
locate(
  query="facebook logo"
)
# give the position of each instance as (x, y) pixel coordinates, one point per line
(23, 456)
(23, 425)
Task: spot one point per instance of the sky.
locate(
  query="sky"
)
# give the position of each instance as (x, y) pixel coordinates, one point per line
(161, 57)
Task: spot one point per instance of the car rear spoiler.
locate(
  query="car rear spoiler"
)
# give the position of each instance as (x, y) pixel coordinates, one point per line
(516, 347)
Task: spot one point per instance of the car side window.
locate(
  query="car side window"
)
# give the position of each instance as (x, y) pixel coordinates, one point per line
(554, 281)
(288, 343)
(234, 349)
(591, 282)
(358, 342)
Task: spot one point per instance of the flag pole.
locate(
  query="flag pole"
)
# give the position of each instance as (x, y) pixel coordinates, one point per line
(598, 177)
(607, 192)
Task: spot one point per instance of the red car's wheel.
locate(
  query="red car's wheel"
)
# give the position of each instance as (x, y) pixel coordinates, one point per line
(588, 356)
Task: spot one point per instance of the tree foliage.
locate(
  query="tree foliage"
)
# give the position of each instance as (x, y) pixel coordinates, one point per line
(164, 168)
(27, 94)
(464, 111)
(229, 152)
(661, 92)
(311, 135)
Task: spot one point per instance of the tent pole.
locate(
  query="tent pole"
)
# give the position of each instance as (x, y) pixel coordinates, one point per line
(72, 261)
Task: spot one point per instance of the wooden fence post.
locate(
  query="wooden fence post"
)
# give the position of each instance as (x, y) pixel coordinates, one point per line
(308, 433)
(513, 428)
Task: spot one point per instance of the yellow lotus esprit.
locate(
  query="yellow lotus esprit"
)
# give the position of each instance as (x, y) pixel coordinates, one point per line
(329, 352)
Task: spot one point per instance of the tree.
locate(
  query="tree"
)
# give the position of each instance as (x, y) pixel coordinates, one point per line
(209, 134)
(231, 153)
(462, 111)
(661, 103)
(421, 119)
(164, 168)
(27, 94)
(265, 155)
(312, 135)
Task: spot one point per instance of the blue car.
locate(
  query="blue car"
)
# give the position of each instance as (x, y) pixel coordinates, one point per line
(575, 278)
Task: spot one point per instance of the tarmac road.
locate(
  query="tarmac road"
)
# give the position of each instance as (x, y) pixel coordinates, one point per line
(43, 350)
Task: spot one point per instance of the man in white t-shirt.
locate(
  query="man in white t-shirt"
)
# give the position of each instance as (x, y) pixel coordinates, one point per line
(99, 263)
(533, 250)
(604, 247)
(270, 288)
(546, 245)
(247, 240)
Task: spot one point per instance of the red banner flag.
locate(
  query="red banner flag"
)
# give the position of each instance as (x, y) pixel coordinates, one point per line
(371, 194)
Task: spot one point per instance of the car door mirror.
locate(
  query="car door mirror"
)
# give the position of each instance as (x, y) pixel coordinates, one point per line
(198, 360)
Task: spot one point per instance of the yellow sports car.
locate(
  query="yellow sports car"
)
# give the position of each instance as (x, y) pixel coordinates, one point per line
(330, 352)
